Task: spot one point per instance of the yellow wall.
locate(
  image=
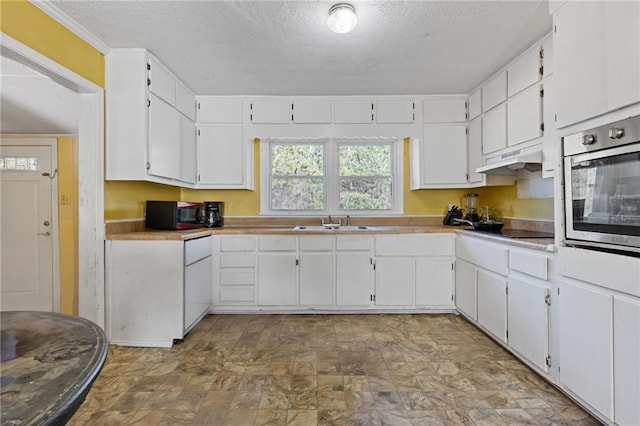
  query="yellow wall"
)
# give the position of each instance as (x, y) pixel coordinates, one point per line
(125, 200)
(68, 223)
(28, 24)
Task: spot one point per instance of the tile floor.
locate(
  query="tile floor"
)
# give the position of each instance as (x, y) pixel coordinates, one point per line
(369, 369)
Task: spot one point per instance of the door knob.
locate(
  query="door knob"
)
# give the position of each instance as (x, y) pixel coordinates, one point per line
(46, 223)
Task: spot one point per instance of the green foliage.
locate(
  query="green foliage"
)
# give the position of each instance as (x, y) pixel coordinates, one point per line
(297, 194)
(297, 160)
(365, 159)
(365, 193)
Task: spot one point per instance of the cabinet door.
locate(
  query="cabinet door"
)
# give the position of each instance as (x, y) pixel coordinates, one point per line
(586, 344)
(316, 279)
(524, 72)
(550, 141)
(353, 279)
(525, 116)
(197, 290)
(394, 281)
(353, 111)
(270, 111)
(528, 319)
(276, 279)
(626, 361)
(475, 104)
(312, 112)
(188, 142)
(185, 101)
(221, 155)
(434, 283)
(547, 56)
(492, 303)
(164, 139)
(466, 289)
(444, 110)
(494, 130)
(494, 92)
(220, 110)
(160, 82)
(475, 150)
(622, 53)
(579, 58)
(395, 111)
(445, 154)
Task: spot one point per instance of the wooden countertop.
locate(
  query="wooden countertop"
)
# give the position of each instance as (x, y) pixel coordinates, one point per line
(542, 244)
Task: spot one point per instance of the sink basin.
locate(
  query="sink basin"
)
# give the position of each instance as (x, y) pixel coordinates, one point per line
(328, 227)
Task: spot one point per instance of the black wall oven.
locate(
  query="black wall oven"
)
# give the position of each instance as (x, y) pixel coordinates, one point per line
(602, 187)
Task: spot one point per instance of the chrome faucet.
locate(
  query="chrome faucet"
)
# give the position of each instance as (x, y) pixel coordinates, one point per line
(348, 220)
(330, 220)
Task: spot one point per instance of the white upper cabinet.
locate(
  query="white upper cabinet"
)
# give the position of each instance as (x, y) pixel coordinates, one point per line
(216, 110)
(161, 82)
(547, 56)
(185, 101)
(444, 156)
(622, 53)
(550, 151)
(445, 110)
(312, 111)
(395, 111)
(475, 150)
(525, 71)
(224, 159)
(596, 58)
(525, 116)
(270, 111)
(475, 104)
(353, 111)
(188, 142)
(494, 92)
(164, 139)
(494, 129)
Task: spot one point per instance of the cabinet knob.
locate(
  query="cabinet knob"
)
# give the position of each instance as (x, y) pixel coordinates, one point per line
(616, 132)
(589, 139)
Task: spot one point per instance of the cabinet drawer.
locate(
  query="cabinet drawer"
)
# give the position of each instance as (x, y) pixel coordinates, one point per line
(196, 249)
(237, 277)
(423, 245)
(237, 260)
(353, 242)
(316, 243)
(277, 243)
(237, 295)
(486, 255)
(529, 263)
(237, 243)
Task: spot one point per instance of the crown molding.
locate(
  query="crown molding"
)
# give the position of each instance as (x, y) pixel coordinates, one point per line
(50, 9)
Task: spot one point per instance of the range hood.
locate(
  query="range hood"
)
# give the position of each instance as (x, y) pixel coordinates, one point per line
(510, 163)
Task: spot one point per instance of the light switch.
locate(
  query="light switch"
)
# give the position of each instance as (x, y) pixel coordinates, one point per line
(65, 199)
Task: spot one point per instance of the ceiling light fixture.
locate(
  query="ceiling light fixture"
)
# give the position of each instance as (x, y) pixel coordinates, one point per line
(342, 18)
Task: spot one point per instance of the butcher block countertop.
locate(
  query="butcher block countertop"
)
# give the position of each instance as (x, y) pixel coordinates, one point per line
(135, 230)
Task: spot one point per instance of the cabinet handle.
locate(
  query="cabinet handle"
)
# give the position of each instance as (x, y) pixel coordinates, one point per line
(297, 262)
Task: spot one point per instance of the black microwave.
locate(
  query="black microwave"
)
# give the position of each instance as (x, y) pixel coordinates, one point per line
(174, 215)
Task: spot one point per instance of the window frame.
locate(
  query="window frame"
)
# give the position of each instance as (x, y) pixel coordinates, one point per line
(332, 177)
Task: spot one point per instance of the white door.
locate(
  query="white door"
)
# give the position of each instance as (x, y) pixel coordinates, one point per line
(434, 283)
(394, 282)
(316, 279)
(466, 289)
(353, 279)
(26, 227)
(492, 303)
(277, 279)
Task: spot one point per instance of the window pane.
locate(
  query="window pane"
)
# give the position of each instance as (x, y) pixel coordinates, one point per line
(365, 160)
(297, 194)
(297, 160)
(365, 193)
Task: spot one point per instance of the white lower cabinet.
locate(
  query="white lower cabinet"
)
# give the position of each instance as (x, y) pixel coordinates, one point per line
(492, 303)
(316, 271)
(467, 289)
(353, 279)
(528, 319)
(156, 290)
(434, 282)
(586, 341)
(626, 360)
(394, 282)
(277, 270)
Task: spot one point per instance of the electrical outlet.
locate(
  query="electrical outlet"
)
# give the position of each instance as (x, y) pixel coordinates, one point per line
(65, 199)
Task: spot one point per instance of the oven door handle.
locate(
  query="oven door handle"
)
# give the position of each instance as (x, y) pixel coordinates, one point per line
(604, 153)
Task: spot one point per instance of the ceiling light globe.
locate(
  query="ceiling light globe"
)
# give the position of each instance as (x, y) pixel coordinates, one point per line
(342, 18)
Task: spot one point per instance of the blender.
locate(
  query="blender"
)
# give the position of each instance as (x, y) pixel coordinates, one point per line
(470, 203)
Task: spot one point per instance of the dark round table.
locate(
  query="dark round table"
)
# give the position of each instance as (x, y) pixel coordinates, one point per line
(49, 362)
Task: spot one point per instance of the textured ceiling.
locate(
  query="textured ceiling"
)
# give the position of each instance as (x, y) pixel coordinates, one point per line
(286, 48)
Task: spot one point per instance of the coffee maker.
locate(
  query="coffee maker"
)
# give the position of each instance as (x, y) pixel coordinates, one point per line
(213, 214)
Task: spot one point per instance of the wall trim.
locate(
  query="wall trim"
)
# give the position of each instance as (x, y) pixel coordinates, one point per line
(53, 11)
